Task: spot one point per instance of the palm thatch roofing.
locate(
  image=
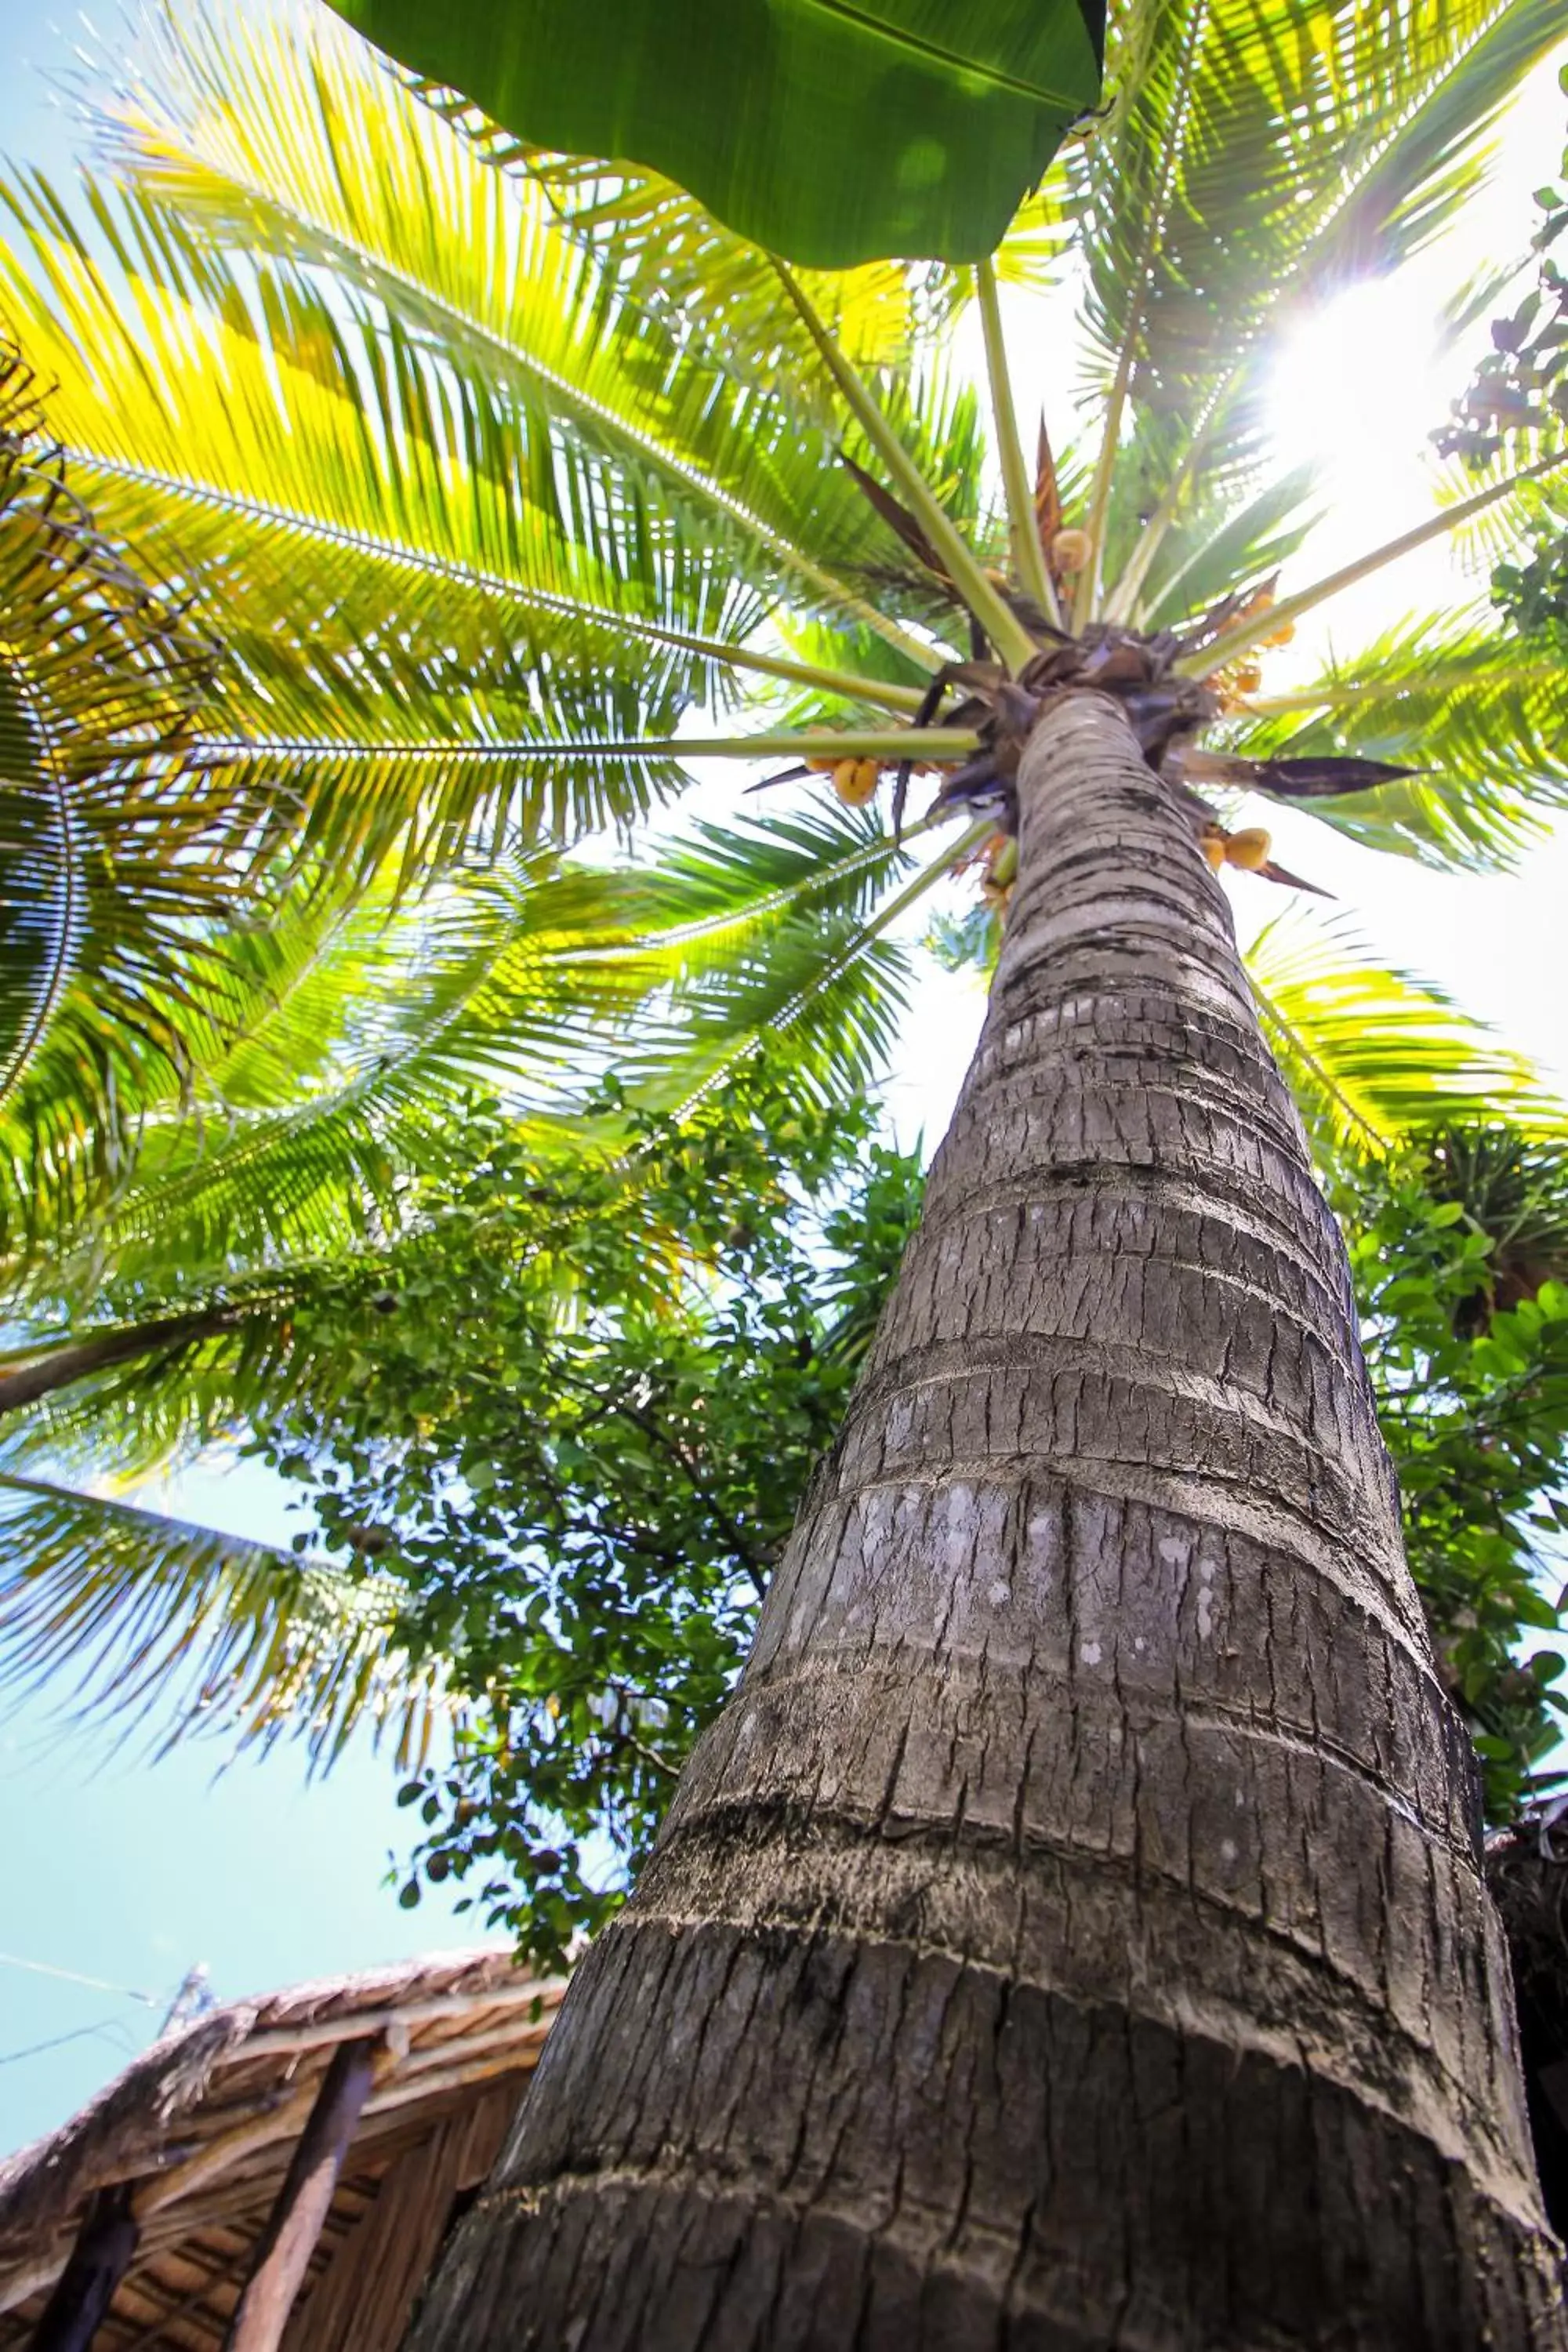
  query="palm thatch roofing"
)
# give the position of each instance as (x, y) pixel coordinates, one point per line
(199, 2131)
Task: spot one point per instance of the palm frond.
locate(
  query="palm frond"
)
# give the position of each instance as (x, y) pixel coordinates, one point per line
(670, 259)
(1216, 550)
(770, 921)
(118, 855)
(347, 173)
(364, 1032)
(1372, 1054)
(186, 1381)
(156, 1621)
(1481, 715)
(1258, 152)
(379, 574)
(503, 987)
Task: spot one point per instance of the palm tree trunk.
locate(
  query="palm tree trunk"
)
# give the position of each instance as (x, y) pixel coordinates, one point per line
(1071, 1934)
(60, 1368)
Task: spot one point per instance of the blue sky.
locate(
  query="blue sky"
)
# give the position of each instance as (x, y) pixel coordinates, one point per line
(116, 1868)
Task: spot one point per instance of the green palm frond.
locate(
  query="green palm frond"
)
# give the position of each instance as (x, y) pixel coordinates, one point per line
(397, 580)
(67, 1161)
(1213, 551)
(365, 1026)
(187, 1381)
(1373, 1053)
(154, 1620)
(502, 986)
(1260, 147)
(117, 856)
(1260, 151)
(1482, 717)
(669, 256)
(674, 261)
(1530, 467)
(346, 171)
(776, 926)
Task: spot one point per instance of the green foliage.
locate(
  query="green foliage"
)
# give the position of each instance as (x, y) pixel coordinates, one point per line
(1371, 1053)
(831, 136)
(1465, 1332)
(134, 1614)
(113, 852)
(1534, 594)
(1517, 401)
(583, 1510)
(1479, 716)
(1522, 385)
(491, 468)
(489, 473)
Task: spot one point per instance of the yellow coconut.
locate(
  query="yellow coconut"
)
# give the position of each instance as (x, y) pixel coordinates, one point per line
(854, 782)
(1249, 848)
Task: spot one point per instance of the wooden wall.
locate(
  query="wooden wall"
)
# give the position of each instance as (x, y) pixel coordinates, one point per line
(365, 2299)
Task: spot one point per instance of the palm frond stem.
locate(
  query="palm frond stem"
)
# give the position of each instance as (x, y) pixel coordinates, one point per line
(1121, 600)
(63, 931)
(1086, 594)
(1028, 556)
(1336, 694)
(886, 743)
(1247, 634)
(60, 1367)
(1005, 631)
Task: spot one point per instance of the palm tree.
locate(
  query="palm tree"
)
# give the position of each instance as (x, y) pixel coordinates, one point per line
(1072, 1931)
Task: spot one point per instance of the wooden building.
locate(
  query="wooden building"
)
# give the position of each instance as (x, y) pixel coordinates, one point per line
(278, 2173)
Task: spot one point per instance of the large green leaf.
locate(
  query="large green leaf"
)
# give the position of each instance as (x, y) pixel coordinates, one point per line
(833, 134)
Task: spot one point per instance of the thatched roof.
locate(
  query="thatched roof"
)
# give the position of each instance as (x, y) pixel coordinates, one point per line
(202, 2128)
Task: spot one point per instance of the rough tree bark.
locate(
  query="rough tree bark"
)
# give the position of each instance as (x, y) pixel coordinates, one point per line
(1071, 1934)
(58, 1367)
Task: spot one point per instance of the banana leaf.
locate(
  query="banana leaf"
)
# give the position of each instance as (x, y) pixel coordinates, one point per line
(832, 133)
